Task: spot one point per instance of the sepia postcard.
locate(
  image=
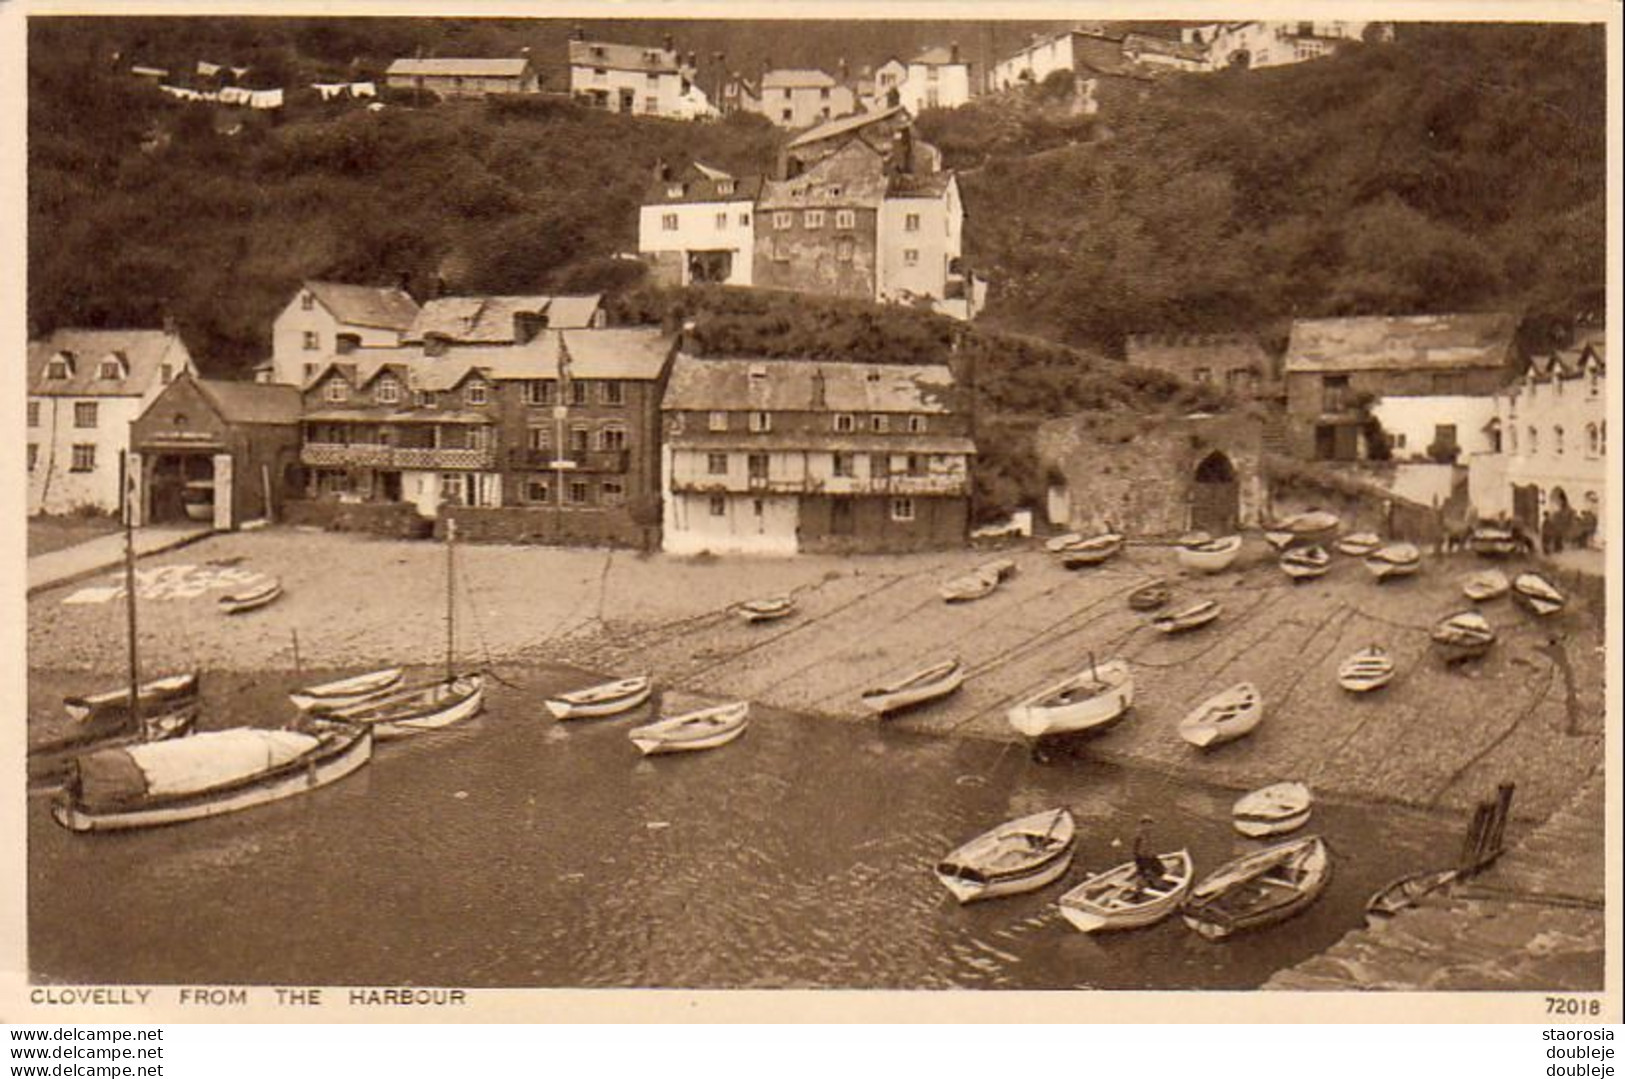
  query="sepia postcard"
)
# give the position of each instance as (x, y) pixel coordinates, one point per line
(921, 512)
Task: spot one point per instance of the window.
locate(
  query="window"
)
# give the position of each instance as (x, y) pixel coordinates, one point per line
(84, 457)
(844, 249)
(722, 221)
(611, 392)
(911, 223)
(1593, 384)
(313, 340)
(166, 373)
(719, 506)
(717, 421)
(1334, 392)
(911, 256)
(725, 187)
(1534, 440)
(761, 422)
(781, 250)
(1203, 374)
(846, 219)
(474, 393)
(110, 371)
(651, 105)
(33, 455)
(674, 191)
(33, 413)
(612, 438)
(902, 509)
(578, 392)
(916, 425)
(716, 464)
(744, 221)
(580, 439)
(845, 465)
(914, 464)
(538, 392)
(783, 219)
(538, 491)
(1398, 439)
(813, 219)
(879, 465)
(388, 391)
(307, 302)
(652, 78)
(1593, 442)
(58, 370)
(310, 371)
(538, 438)
(756, 466)
(878, 424)
(612, 492)
(1512, 439)
(787, 114)
(758, 507)
(580, 492)
(845, 423)
(337, 390)
(824, 112)
(668, 222)
(787, 93)
(1557, 441)
(835, 191)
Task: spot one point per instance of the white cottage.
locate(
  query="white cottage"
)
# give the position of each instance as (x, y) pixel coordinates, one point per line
(326, 317)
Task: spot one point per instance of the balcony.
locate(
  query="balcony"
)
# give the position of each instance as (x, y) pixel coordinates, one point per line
(899, 484)
(341, 455)
(521, 459)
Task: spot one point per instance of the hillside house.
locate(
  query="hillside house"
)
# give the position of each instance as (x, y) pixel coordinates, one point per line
(1235, 362)
(634, 79)
(1040, 58)
(889, 132)
(800, 97)
(463, 77)
(781, 456)
(1275, 44)
(1160, 53)
(1548, 452)
(558, 431)
(739, 94)
(325, 317)
(1428, 380)
(884, 88)
(697, 226)
(935, 79)
(85, 388)
(499, 320)
(210, 450)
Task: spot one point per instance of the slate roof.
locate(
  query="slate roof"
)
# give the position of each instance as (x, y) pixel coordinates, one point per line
(490, 319)
(796, 79)
(1179, 50)
(917, 185)
(856, 170)
(472, 67)
(626, 353)
(936, 56)
(701, 385)
(699, 183)
(1401, 343)
(844, 125)
(252, 402)
(143, 353)
(365, 305)
(623, 57)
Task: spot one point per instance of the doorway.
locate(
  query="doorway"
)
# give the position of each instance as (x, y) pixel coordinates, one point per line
(1215, 495)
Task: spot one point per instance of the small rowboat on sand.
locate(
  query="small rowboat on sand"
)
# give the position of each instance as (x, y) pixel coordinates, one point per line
(1393, 560)
(1259, 889)
(971, 586)
(155, 696)
(1148, 597)
(1485, 586)
(914, 689)
(1359, 544)
(1057, 544)
(1191, 617)
(1404, 893)
(252, 598)
(1018, 856)
(707, 728)
(1092, 699)
(1302, 563)
(1366, 670)
(1314, 523)
(1537, 594)
(609, 699)
(346, 691)
(1273, 810)
(770, 609)
(1210, 556)
(1119, 898)
(1223, 717)
(1092, 551)
(1466, 635)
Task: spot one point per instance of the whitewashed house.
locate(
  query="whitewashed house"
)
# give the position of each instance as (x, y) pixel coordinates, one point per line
(697, 226)
(635, 79)
(936, 79)
(796, 98)
(85, 388)
(1275, 44)
(327, 317)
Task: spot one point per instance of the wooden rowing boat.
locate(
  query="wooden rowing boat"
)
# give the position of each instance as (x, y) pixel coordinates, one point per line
(770, 609)
(1273, 810)
(1223, 717)
(1366, 670)
(1302, 563)
(1118, 898)
(1057, 544)
(414, 708)
(1211, 556)
(608, 699)
(1312, 523)
(971, 586)
(930, 684)
(1485, 586)
(1490, 541)
(1259, 889)
(154, 697)
(1359, 544)
(1465, 635)
(1186, 618)
(1404, 893)
(252, 598)
(346, 692)
(1148, 597)
(1536, 594)
(1018, 856)
(707, 728)
(1393, 560)
(1092, 551)
(207, 774)
(1090, 699)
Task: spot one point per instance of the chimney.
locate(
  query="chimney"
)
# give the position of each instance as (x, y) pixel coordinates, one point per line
(818, 397)
(846, 73)
(577, 34)
(666, 43)
(403, 281)
(170, 326)
(953, 52)
(526, 325)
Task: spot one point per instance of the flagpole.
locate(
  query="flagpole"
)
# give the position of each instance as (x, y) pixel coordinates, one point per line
(129, 596)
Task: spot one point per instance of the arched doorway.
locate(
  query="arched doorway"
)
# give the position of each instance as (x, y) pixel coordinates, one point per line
(1215, 496)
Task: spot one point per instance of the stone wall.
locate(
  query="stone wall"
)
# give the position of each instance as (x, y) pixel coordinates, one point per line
(572, 528)
(394, 519)
(938, 524)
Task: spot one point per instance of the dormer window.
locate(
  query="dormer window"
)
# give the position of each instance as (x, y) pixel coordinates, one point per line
(337, 390)
(388, 391)
(110, 369)
(674, 191)
(60, 369)
(307, 302)
(725, 187)
(474, 393)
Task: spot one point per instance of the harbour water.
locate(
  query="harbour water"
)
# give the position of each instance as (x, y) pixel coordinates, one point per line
(518, 851)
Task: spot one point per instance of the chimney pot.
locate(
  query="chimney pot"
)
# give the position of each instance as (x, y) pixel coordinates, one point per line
(666, 43)
(953, 52)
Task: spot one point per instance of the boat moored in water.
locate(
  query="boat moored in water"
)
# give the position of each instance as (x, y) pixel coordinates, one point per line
(346, 692)
(1018, 856)
(1273, 810)
(707, 728)
(1259, 889)
(609, 699)
(1119, 898)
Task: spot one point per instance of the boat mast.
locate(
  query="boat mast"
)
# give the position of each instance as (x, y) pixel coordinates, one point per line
(451, 597)
(135, 719)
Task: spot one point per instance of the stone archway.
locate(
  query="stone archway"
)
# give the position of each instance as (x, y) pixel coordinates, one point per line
(1215, 497)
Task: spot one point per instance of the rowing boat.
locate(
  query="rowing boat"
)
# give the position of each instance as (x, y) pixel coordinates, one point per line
(1119, 898)
(414, 708)
(1465, 635)
(1393, 560)
(1359, 544)
(346, 691)
(1148, 597)
(1366, 670)
(1404, 893)
(770, 609)
(1273, 810)
(1535, 593)
(1223, 717)
(971, 586)
(1090, 699)
(1018, 856)
(155, 696)
(1259, 889)
(1092, 551)
(707, 728)
(252, 598)
(914, 689)
(1191, 617)
(608, 699)
(1057, 544)
(1302, 563)
(1485, 586)
(1210, 556)
(1491, 541)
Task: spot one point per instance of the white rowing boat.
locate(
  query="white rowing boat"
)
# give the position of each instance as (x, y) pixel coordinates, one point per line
(1359, 544)
(346, 691)
(1537, 594)
(1090, 699)
(1393, 560)
(1210, 556)
(1223, 717)
(1302, 563)
(1196, 615)
(251, 598)
(414, 708)
(1119, 898)
(1018, 856)
(770, 609)
(707, 728)
(608, 699)
(1465, 635)
(915, 689)
(1272, 810)
(1259, 889)
(1485, 586)
(1366, 670)
(1092, 551)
